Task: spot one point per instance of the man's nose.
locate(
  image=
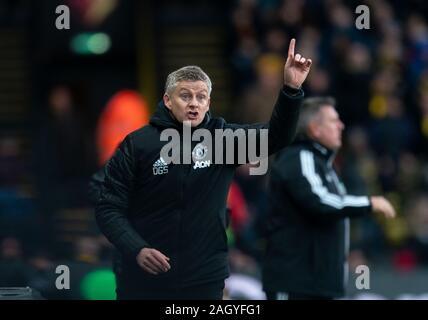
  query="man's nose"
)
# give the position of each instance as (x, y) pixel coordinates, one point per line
(193, 103)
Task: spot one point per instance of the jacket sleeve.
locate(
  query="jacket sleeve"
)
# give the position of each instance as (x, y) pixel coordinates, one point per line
(113, 202)
(94, 186)
(281, 128)
(304, 185)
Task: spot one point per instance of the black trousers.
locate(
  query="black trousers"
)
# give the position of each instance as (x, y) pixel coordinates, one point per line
(210, 291)
(294, 296)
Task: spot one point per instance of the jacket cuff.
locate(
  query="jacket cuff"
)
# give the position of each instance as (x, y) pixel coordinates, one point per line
(292, 92)
(133, 252)
(370, 207)
(131, 244)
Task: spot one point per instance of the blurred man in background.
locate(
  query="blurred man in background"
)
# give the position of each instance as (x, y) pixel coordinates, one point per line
(168, 220)
(308, 225)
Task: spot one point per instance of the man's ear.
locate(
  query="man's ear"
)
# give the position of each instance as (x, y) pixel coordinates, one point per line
(312, 129)
(167, 101)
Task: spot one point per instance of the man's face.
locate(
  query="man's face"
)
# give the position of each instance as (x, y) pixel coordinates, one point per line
(189, 101)
(327, 128)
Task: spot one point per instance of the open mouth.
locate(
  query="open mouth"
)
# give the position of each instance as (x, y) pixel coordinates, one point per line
(192, 115)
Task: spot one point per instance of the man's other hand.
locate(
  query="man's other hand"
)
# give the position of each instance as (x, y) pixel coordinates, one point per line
(153, 261)
(380, 204)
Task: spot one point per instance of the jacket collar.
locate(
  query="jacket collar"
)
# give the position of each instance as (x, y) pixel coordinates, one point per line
(318, 148)
(163, 119)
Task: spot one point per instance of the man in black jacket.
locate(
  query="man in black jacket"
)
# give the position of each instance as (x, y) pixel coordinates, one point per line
(167, 220)
(307, 224)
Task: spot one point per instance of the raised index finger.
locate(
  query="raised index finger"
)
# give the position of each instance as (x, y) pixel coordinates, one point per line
(291, 47)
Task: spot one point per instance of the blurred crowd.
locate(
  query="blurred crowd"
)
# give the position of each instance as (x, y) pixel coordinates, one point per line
(379, 77)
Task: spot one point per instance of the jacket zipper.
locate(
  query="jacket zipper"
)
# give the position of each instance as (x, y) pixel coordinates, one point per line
(184, 172)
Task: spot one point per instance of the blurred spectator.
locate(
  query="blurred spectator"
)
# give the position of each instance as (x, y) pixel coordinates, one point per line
(13, 171)
(244, 235)
(238, 208)
(423, 123)
(65, 150)
(417, 32)
(43, 274)
(64, 158)
(395, 132)
(358, 163)
(291, 15)
(257, 102)
(276, 41)
(417, 243)
(14, 272)
(409, 179)
(353, 73)
(12, 165)
(17, 214)
(318, 82)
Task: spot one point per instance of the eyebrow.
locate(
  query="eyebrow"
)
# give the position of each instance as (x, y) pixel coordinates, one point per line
(188, 90)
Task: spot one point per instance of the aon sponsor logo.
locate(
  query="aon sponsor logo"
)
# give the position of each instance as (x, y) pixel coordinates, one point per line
(202, 164)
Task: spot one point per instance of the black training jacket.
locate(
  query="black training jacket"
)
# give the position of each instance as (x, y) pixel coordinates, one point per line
(175, 208)
(307, 223)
